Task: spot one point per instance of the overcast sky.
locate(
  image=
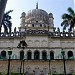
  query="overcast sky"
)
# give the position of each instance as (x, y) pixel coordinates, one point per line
(57, 7)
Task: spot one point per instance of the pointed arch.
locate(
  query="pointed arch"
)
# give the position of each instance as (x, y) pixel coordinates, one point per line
(51, 55)
(37, 43)
(44, 43)
(44, 55)
(36, 55)
(21, 55)
(70, 54)
(30, 43)
(29, 55)
(3, 54)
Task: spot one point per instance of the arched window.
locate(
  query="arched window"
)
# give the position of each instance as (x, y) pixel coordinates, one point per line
(36, 55)
(44, 55)
(29, 54)
(37, 43)
(3, 54)
(44, 43)
(51, 55)
(70, 54)
(21, 55)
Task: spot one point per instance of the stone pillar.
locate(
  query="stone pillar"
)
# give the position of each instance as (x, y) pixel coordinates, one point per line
(48, 54)
(22, 19)
(32, 55)
(40, 55)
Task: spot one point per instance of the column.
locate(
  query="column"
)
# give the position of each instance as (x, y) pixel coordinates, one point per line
(40, 55)
(32, 55)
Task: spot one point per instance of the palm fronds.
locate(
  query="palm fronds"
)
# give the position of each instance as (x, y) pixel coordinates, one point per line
(68, 19)
(6, 22)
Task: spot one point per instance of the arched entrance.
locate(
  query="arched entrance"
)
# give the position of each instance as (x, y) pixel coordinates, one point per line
(3, 54)
(44, 55)
(21, 55)
(51, 55)
(70, 54)
(36, 55)
(29, 54)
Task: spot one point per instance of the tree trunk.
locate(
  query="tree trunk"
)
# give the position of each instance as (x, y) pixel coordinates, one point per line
(0, 30)
(2, 8)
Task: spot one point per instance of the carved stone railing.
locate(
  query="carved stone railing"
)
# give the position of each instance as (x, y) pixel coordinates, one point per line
(38, 32)
(61, 34)
(13, 34)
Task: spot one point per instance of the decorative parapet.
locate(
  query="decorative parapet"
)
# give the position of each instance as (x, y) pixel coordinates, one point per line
(38, 32)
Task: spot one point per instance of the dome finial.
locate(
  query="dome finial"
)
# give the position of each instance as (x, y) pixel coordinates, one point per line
(37, 5)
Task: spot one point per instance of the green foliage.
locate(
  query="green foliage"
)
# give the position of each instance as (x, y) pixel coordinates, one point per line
(68, 19)
(73, 73)
(6, 22)
(0, 73)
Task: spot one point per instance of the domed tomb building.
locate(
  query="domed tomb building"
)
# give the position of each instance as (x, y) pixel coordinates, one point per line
(37, 48)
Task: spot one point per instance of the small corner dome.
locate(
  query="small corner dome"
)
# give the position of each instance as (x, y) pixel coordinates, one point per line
(23, 14)
(50, 15)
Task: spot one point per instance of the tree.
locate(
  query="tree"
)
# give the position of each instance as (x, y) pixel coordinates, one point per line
(6, 22)
(2, 9)
(68, 19)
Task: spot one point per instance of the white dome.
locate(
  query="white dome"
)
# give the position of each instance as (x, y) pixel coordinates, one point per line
(37, 15)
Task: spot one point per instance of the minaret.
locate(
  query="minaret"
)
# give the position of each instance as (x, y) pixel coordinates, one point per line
(22, 19)
(37, 5)
(51, 20)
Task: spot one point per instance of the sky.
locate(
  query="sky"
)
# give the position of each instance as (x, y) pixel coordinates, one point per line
(56, 7)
